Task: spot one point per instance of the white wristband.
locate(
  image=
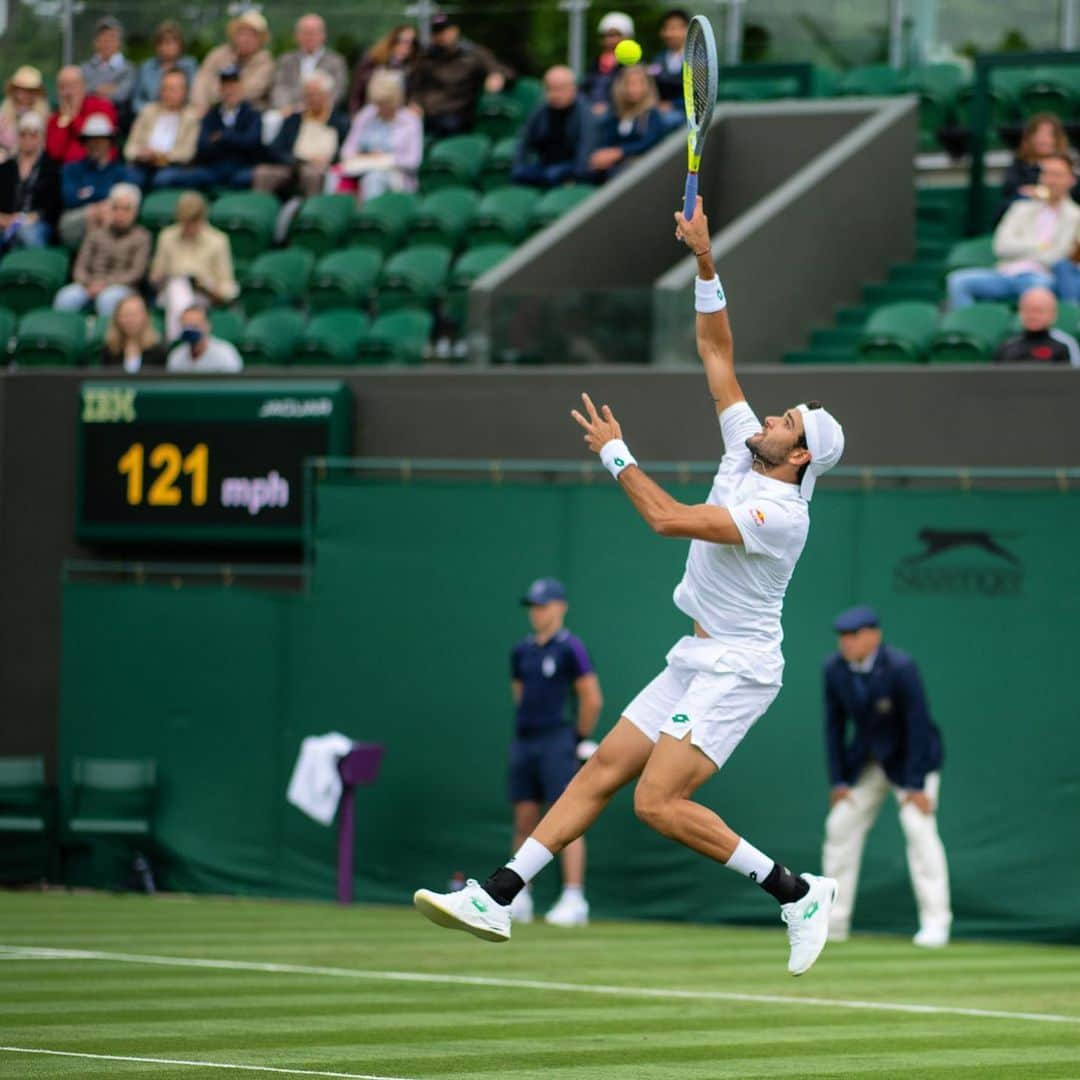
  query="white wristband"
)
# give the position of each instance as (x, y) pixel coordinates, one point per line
(709, 296)
(615, 456)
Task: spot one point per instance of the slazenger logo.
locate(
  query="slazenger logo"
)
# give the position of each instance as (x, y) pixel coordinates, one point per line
(758, 516)
(295, 408)
(960, 561)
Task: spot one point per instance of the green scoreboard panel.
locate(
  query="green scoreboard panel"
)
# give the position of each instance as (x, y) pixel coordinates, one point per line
(221, 461)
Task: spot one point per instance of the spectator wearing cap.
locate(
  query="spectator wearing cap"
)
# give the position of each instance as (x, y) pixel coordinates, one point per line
(395, 52)
(166, 132)
(85, 184)
(112, 259)
(557, 138)
(310, 55)
(168, 56)
(229, 144)
(449, 77)
(245, 51)
(30, 202)
(875, 691)
(614, 27)
(631, 128)
(548, 669)
(74, 107)
(24, 93)
(108, 74)
(1040, 341)
(666, 67)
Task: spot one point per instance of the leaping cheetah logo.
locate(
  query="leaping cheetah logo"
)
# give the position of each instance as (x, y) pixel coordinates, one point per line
(936, 541)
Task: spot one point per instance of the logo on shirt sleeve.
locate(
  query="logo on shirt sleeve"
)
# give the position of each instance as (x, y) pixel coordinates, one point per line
(758, 516)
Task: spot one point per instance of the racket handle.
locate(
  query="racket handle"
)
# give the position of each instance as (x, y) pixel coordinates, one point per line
(690, 199)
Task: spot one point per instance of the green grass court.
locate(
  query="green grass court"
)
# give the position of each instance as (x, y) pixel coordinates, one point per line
(311, 989)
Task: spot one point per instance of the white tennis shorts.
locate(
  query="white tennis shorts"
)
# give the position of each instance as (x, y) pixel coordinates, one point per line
(696, 696)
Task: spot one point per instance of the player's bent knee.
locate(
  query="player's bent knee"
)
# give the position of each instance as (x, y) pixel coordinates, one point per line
(652, 808)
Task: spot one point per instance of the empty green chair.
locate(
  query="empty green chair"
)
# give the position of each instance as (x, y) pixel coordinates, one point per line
(29, 277)
(276, 279)
(398, 337)
(1046, 90)
(873, 80)
(458, 160)
(248, 218)
(415, 277)
(272, 337)
(344, 279)
(527, 91)
(8, 321)
(444, 217)
(473, 264)
(499, 115)
(25, 811)
(557, 202)
(381, 222)
(322, 222)
(975, 252)
(898, 333)
(158, 209)
(496, 171)
(50, 337)
(938, 87)
(1068, 317)
(113, 798)
(504, 216)
(333, 337)
(227, 324)
(970, 335)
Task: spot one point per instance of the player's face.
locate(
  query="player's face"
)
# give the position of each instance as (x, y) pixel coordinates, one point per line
(547, 618)
(857, 646)
(778, 438)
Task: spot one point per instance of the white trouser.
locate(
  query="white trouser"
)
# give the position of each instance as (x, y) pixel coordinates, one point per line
(845, 834)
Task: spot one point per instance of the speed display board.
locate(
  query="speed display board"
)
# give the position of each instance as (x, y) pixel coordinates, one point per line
(220, 461)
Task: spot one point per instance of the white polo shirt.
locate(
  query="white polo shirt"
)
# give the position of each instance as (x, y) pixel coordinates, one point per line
(736, 593)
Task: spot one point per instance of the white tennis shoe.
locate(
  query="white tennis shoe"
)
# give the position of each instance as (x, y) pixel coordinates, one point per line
(469, 909)
(808, 922)
(570, 910)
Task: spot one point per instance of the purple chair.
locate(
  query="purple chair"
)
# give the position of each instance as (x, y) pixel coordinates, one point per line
(358, 767)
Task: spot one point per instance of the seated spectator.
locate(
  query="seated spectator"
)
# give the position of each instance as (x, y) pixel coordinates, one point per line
(229, 144)
(29, 189)
(666, 67)
(632, 128)
(246, 52)
(385, 144)
(1043, 136)
(74, 106)
(395, 52)
(24, 93)
(311, 54)
(614, 27)
(168, 56)
(166, 132)
(1040, 341)
(107, 73)
(449, 77)
(199, 352)
(1033, 236)
(307, 144)
(557, 138)
(112, 260)
(131, 342)
(192, 263)
(85, 184)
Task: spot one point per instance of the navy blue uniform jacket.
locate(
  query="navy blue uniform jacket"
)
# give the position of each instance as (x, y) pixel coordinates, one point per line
(890, 718)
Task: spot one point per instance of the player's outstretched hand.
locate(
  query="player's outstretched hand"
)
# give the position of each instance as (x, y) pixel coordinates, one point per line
(695, 232)
(600, 427)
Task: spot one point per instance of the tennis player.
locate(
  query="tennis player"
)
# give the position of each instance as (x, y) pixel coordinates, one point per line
(681, 729)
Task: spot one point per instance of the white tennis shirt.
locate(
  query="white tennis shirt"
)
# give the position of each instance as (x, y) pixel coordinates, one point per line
(736, 593)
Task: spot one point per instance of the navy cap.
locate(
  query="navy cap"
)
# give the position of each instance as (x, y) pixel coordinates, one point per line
(441, 22)
(543, 591)
(230, 71)
(856, 618)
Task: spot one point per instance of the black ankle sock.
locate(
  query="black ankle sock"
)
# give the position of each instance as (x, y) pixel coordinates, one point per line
(503, 885)
(784, 885)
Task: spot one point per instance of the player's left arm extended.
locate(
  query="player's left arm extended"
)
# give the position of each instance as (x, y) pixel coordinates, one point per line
(663, 513)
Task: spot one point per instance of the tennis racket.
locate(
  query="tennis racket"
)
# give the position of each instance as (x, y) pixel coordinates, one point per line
(700, 76)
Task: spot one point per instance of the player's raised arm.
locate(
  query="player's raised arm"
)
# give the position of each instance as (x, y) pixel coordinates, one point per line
(714, 342)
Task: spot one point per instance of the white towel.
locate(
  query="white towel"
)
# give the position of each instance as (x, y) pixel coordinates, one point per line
(315, 786)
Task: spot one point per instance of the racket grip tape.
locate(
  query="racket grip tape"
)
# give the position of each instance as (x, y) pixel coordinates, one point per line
(690, 198)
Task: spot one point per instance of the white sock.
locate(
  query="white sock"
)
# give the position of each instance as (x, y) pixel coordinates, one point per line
(574, 892)
(529, 860)
(751, 863)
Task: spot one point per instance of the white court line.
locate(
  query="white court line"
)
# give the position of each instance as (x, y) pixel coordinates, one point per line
(35, 952)
(192, 1064)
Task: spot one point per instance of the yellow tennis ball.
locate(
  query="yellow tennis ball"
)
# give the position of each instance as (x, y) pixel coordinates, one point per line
(628, 52)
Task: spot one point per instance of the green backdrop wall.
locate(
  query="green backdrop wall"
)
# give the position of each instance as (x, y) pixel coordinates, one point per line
(402, 638)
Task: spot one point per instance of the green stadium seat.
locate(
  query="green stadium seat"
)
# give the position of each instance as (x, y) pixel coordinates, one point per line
(503, 216)
(272, 337)
(248, 218)
(8, 321)
(970, 335)
(938, 87)
(45, 336)
(112, 797)
(227, 324)
(158, 209)
(415, 277)
(527, 91)
(499, 115)
(276, 279)
(333, 337)
(25, 809)
(474, 263)
(496, 172)
(322, 222)
(398, 337)
(382, 222)
(1068, 317)
(557, 202)
(898, 333)
(29, 277)
(1046, 90)
(444, 217)
(873, 80)
(975, 252)
(344, 279)
(458, 160)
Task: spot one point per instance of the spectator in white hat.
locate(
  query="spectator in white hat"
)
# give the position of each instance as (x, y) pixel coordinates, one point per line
(614, 27)
(24, 93)
(85, 184)
(248, 36)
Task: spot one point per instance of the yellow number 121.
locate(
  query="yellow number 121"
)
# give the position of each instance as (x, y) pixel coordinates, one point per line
(167, 461)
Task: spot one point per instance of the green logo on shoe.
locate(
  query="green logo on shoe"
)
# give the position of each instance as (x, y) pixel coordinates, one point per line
(810, 912)
(483, 907)
(680, 718)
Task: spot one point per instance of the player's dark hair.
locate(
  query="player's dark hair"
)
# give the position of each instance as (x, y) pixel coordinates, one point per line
(675, 13)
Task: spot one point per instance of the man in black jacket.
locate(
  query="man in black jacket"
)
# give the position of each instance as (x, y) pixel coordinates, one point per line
(1041, 342)
(557, 139)
(30, 201)
(894, 745)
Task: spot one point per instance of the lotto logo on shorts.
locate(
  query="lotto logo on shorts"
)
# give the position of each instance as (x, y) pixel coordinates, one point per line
(758, 516)
(680, 718)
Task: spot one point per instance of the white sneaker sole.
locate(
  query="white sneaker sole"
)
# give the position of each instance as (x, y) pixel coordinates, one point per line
(827, 902)
(430, 905)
